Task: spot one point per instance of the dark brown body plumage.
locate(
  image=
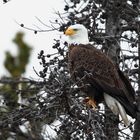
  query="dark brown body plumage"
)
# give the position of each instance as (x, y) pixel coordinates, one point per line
(100, 75)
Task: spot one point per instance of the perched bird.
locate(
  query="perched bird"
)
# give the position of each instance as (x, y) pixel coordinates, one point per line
(97, 76)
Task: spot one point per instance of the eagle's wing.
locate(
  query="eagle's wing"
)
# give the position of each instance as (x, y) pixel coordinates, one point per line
(104, 74)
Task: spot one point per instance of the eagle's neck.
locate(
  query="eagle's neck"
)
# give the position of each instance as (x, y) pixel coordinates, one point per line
(71, 46)
(78, 39)
(87, 46)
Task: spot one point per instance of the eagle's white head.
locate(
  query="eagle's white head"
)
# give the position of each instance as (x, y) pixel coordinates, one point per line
(77, 34)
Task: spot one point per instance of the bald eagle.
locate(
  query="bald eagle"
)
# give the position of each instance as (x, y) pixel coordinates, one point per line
(98, 76)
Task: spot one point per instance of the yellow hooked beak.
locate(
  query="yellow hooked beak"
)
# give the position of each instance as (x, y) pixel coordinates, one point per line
(69, 32)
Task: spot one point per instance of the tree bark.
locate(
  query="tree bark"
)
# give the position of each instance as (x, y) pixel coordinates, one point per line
(136, 134)
(112, 49)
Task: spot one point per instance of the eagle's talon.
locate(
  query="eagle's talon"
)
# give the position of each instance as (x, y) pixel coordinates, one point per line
(90, 102)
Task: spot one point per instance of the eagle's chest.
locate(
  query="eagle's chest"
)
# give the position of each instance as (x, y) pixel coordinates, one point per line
(81, 63)
(84, 68)
(78, 57)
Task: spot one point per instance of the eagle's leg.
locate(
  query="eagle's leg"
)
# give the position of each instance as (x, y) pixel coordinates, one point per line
(91, 102)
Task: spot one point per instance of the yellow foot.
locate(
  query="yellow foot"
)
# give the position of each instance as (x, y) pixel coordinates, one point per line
(91, 102)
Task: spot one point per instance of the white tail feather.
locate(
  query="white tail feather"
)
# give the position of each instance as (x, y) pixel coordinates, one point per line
(116, 108)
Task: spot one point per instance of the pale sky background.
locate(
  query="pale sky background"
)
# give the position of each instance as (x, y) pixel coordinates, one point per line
(24, 11)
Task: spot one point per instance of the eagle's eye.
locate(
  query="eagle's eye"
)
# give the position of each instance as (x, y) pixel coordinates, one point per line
(75, 29)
